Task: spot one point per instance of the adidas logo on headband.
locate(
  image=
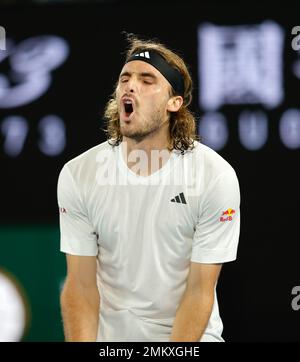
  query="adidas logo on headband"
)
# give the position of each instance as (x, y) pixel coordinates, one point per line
(172, 75)
(143, 55)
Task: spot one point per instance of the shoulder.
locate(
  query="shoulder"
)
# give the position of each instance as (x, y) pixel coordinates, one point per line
(205, 170)
(82, 169)
(86, 161)
(88, 156)
(218, 184)
(210, 163)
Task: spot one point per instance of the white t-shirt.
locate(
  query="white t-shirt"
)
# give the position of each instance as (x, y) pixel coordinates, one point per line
(145, 232)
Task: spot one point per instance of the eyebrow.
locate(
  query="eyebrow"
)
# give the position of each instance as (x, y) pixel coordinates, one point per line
(143, 74)
(148, 74)
(125, 74)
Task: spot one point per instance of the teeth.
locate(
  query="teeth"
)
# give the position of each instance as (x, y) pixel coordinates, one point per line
(128, 102)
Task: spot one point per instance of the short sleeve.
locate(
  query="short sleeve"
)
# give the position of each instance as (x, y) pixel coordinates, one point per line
(77, 236)
(218, 227)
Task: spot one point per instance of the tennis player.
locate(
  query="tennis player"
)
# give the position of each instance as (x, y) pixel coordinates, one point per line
(148, 217)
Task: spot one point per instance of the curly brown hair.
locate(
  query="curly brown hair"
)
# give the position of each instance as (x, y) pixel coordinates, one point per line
(182, 124)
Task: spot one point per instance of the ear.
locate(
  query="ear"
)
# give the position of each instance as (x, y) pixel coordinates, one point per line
(174, 104)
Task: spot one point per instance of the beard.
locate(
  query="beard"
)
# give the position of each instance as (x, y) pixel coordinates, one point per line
(148, 128)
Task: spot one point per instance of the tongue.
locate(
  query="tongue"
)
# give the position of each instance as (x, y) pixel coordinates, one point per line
(128, 113)
(128, 109)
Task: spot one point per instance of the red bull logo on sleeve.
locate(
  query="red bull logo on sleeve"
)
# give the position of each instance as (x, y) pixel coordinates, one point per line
(227, 215)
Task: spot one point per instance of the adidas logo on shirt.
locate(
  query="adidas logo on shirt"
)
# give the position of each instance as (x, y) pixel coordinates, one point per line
(180, 199)
(143, 55)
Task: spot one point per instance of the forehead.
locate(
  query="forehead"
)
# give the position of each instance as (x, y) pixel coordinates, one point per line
(139, 67)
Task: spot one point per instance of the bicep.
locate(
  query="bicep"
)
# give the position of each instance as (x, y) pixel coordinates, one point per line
(218, 226)
(77, 233)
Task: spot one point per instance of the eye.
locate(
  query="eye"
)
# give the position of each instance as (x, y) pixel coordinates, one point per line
(146, 81)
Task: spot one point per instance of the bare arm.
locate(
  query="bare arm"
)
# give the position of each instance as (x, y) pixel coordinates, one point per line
(80, 300)
(196, 305)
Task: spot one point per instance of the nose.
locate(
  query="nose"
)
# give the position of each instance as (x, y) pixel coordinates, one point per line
(131, 85)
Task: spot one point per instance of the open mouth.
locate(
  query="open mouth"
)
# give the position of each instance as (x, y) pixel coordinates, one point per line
(128, 106)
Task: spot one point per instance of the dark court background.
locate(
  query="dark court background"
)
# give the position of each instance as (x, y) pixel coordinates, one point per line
(58, 69)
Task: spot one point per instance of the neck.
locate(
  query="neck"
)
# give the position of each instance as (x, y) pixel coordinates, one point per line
(148, 155)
